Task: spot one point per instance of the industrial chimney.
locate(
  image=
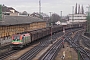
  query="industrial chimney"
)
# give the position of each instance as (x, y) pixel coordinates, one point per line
(76, 9)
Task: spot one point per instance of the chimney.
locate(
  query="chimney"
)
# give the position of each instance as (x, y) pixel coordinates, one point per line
(79, 9)
(76, 9)
(82, 10)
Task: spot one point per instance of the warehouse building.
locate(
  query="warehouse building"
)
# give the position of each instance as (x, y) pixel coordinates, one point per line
(10, 25)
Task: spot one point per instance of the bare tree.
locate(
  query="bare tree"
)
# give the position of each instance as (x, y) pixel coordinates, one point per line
(54, 18)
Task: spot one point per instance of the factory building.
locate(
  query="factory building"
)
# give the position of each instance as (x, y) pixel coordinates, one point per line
(78, 16)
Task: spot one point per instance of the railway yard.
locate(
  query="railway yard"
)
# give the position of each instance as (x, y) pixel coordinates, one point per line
(63, 46)
(38, 36)
(32, 39)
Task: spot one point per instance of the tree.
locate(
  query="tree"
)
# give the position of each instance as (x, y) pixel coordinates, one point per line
(24, 13)
(0, 12)
(88, 20)
(54, 18)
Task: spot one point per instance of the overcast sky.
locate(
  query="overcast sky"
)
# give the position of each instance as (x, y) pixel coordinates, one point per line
(54, 6)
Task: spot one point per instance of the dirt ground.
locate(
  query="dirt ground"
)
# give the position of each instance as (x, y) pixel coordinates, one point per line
(67, 52)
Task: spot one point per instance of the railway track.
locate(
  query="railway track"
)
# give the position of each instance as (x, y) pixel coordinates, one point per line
(86, 42)
(7, 54)
(50, 55)
(74, 43)
(32, 53)
(52, 52)
(43, 44)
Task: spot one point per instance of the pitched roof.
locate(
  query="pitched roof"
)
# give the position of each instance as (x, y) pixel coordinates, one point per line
(7, 9)
(14, 20)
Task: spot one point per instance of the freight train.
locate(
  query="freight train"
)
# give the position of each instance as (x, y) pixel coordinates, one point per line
(20, 40)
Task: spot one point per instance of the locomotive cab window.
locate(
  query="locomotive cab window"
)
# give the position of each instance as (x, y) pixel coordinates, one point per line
(16, 38)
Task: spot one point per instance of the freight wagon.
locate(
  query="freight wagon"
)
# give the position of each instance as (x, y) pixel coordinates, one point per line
(20, 40)
(37, 34)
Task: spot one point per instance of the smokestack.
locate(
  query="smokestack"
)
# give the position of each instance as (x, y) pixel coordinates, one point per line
(82, 10)
(79, 9)
(76, 9)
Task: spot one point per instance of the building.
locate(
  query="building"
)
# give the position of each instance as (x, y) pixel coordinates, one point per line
(78, 16)
(10, 25)
(9, 11)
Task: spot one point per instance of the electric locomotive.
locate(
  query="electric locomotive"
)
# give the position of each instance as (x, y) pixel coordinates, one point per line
(19, 40)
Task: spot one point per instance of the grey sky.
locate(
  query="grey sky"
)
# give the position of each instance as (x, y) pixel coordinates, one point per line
(54, 6)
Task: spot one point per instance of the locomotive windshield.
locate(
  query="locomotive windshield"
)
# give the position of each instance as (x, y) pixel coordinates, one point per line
(17, 37)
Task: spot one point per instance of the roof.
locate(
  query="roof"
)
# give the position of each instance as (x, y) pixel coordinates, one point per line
(7, 9)
(14, 20)
(10, 8)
